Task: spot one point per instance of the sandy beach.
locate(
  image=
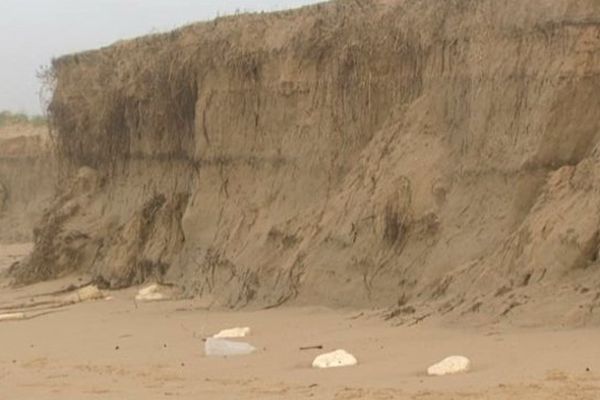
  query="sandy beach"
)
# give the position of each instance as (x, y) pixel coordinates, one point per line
(122, 349)
(404, 180)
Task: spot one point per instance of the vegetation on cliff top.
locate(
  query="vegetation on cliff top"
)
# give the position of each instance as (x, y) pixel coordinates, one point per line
(10, 118)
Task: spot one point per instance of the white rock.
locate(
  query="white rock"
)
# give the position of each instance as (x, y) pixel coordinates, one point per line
(233, 333)
(151, 293)
(450, 365)
(338, 358)
(11, 316)
(222, 348)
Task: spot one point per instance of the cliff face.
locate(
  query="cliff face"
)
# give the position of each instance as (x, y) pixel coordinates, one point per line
(438, 156)
(27, 179)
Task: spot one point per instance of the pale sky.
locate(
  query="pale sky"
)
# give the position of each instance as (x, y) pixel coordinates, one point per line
(32, 32)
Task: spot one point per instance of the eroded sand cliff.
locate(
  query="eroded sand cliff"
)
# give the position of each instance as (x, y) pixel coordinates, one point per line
(434, 157)
(27, 179)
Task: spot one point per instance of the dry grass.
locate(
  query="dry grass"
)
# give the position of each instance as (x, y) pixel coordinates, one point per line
(10, 118)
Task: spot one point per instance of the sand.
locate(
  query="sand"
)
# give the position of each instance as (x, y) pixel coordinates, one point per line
(437, 155)
(27, 179)
(120, 349)
(11, 253)
(316, 171)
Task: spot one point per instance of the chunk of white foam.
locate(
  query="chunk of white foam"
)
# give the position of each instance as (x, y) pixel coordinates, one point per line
(338, 358)
(217, 347)
(12, 316)
(450, 365)
(233, 333)
(150, 293)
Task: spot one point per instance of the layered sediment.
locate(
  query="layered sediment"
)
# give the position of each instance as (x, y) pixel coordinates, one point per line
(436, 157)
(27, 179)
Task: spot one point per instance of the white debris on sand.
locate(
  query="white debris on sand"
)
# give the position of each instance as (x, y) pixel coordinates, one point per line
(449, 366)
(12, 316)
(216, 347)
(87, 293)
(150, 297)
(233, 333)
(338, 358)
(151, 293)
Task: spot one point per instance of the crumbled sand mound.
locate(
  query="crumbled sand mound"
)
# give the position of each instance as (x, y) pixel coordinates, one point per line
(27, 179)
(441, 157)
